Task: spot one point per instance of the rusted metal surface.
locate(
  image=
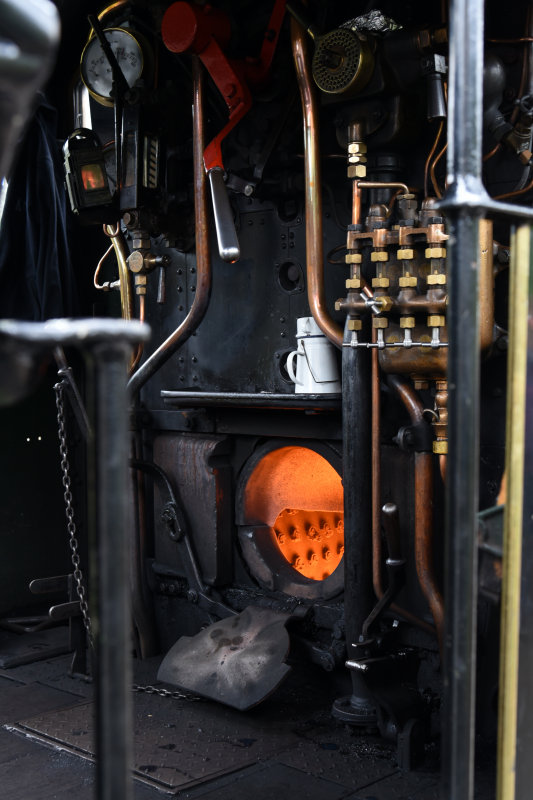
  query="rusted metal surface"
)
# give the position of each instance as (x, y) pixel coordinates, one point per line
(203, 490)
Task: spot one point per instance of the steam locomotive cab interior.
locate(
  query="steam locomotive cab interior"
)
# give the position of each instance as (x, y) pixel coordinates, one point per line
(316, 425)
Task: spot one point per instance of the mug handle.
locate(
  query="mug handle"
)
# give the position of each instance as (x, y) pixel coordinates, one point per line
(289, 365)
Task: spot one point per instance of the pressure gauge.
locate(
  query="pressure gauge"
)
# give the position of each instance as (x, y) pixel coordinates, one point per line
(96, 72)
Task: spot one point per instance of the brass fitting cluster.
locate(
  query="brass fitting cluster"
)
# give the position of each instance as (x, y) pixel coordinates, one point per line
(408, 295)
(141, 262)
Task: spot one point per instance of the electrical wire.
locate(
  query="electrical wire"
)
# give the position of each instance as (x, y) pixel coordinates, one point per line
(430, 156)
(432, 175)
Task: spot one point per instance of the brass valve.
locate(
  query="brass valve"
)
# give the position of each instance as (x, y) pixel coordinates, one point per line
(140, 262)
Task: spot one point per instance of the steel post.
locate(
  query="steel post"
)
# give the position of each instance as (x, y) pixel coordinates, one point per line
(464, 180)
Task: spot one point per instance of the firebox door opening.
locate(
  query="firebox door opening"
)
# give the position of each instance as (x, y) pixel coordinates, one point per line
(290, 506)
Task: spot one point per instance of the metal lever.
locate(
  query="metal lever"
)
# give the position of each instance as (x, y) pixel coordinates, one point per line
(228, 244)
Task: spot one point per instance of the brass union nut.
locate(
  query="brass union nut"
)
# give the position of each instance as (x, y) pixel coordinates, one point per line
(356, 159)
(380, 283)
(436, 321)
(436, 278)
(353, 258)
(435, 252)
(440, 447)
(379, 255)
(353, 283)
(355, 324)
(407, 280)
(406, 254)
(380, 322)
(385, 302)
(357, 147)
(357, 171)
(407, 322)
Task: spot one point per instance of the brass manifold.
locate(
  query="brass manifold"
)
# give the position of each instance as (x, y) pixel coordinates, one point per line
(405, 258)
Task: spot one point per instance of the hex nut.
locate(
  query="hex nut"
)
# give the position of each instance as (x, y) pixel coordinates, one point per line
(440, 447)
(435, 252)
(357, 147)
(353, 283)
(355, 324)
(380, 283)
(407, 280)
(406, 254)
(436, 279)
(380, 322)
(353, 258)
(407, 322)
(436, 321)
(379, 255)
(357, 171)
(385, 302)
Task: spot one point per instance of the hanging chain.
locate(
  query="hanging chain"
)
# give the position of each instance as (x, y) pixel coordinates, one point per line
(69, 510)
(174, 693)
(74, 546)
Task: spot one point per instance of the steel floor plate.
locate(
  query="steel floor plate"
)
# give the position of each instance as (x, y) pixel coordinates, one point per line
(288, 746)
(177, 743)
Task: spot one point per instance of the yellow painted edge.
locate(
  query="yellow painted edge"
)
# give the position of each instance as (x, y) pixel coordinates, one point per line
(512, 536)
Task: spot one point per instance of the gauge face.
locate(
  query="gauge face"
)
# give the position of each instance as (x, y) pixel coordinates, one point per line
(96, 71)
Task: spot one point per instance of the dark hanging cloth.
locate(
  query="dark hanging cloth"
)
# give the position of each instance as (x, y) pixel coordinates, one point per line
(37, 280)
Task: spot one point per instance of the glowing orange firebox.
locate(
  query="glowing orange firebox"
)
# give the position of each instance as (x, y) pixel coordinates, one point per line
(299, 495)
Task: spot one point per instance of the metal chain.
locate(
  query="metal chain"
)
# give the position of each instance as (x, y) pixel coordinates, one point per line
(74, 547)
(174, 694)
(69, 510)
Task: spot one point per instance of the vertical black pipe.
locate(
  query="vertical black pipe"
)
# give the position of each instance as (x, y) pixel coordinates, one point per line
(110, 545)
(356, 478)
(464, 184)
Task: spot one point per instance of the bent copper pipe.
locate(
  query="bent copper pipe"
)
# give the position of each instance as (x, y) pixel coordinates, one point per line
(313, 197)
(423, 511)
(203, 253)
(376, 498)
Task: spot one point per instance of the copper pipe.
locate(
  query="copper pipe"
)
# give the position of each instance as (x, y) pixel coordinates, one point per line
(443, 463)
(203, 253)
(424, 539)
(423, 511)
(376, 497)
(516, 193)
(313, 197)
(356, 203)
(486, 285)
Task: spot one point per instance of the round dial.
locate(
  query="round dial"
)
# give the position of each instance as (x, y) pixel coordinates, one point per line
(96, 71)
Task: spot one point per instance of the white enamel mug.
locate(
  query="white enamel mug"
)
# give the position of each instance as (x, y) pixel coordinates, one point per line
(316, 370)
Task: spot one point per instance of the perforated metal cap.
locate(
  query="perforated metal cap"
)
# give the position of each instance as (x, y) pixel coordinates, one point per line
(342, 62)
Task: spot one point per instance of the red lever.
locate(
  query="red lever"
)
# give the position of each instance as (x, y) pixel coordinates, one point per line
(205, 30)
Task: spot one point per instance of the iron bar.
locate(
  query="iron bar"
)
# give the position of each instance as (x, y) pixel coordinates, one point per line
(359, 708)
(464, 184)
(109, 548)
